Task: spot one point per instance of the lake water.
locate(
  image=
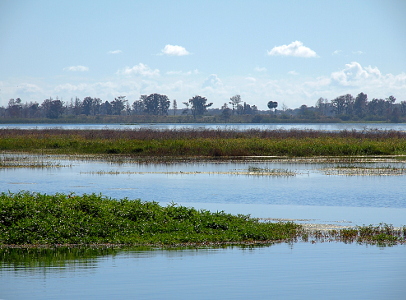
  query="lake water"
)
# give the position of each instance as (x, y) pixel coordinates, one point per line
(231, 126)
(281, 271)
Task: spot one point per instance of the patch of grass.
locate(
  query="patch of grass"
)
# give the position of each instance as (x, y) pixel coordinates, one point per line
(206, 142)
(41, 219)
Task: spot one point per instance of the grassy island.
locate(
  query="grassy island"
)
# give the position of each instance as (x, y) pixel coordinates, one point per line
(204, 143)
(38, 220)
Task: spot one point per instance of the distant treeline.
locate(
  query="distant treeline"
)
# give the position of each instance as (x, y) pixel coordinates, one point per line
(158, 108)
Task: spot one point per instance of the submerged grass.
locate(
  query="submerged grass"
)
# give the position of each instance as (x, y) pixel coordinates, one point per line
(207, 142)
(40, 219)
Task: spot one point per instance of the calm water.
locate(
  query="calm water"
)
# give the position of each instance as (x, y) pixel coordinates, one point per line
(310, 194)
(281, 271)
(237, 126)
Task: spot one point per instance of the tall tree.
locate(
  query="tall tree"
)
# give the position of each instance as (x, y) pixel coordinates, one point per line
(235, 102)
(225, 112)
(174, 106)
(199, 106)
(360, 105)
(118, 105)
(53, 108)
(156, 104)
(339, 104)
(138, 107)
(272, 105)
(91, 106)
(14, 108)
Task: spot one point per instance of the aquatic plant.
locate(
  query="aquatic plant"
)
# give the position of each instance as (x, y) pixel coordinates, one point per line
(37, 219)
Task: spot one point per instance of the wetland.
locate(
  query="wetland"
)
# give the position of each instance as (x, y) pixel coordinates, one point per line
(335, 199)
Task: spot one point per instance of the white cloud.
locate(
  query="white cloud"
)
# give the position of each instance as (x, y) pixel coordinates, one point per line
(115, 52)
(357, 52)
(140, 69)
(212, 82)
(71, 87)
(293, 73)
(337, 52)
(76, 69)
(354, 74)
(293, 49)
(260, 69)
(174, 50)
(28, 88)
(294, 91)
(188, 73)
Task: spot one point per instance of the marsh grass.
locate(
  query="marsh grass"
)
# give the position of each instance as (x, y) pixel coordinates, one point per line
(38, 219)
(204, 142)
(357, 170)
(252, 171)
(381, 235)
(19, 161)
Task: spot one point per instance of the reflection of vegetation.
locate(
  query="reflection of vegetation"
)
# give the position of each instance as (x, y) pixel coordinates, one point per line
(55, 257)
(32, 218)
(208, 143)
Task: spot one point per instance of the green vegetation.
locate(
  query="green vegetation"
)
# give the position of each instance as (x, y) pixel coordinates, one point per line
(381, 235)
(155, 108)
(38, 219)
(206, 143)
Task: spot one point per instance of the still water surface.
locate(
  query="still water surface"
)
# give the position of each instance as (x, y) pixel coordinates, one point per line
(281, 271)
(309, 194)
(231, 126)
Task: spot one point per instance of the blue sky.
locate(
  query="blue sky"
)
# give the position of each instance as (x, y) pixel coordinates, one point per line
(292, 52)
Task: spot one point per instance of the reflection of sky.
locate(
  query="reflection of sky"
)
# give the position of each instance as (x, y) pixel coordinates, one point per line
(285, 271)
(284, 197)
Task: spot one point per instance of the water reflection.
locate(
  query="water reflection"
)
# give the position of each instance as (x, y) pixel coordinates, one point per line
(285, 271)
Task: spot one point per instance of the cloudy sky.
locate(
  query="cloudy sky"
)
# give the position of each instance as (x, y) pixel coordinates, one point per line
(292, 52)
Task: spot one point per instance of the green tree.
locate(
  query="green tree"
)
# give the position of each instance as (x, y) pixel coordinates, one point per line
(118, 105)
(52, 108)
(174, 107)
(199, 106)
(272, 105)
(338, 105)
(235, 102)
(138, 107)
(106, 108)
(360, 105)
(225, 112)
(156, 104)
(91, 106)
(14, 108)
